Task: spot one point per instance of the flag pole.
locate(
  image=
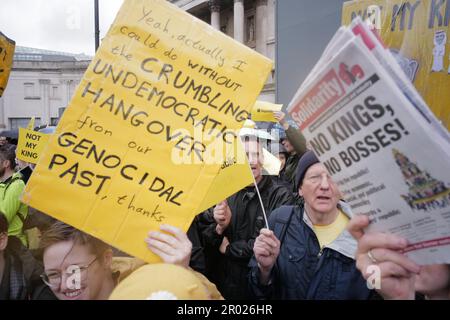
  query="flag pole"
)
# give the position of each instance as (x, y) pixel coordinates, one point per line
(260, 200)
(97, 27)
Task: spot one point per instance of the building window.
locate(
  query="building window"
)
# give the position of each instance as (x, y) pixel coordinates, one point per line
(54, 121)
(55, 92)
(250, 29)
(16, 123)
(29, 91)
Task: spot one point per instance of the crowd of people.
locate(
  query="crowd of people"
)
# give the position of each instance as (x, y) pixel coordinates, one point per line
(312, 248)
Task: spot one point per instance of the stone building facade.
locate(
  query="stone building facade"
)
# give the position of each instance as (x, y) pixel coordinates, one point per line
(42, 82)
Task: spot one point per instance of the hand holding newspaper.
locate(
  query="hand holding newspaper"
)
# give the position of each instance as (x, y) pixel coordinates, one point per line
(385, 149)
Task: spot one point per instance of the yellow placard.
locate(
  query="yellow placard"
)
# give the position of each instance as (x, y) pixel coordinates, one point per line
(417, 33)
(263, 111)
(30, 145)
(7, 47)
(131, 150)
(234, 174)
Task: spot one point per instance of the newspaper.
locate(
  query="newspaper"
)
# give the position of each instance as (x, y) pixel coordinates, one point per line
(379, 141)
(386, 59)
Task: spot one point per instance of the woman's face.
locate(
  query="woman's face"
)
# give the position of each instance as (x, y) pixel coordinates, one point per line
(74, 272)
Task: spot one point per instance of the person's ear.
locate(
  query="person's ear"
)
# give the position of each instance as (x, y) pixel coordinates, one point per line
(3, 241)
(8, 164)
(107, 258)
(300, 193)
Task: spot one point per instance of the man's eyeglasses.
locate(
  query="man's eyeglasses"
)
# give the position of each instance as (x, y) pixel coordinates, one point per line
(53, 278)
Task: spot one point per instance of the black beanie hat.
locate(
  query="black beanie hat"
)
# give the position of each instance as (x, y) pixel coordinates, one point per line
(306, 161)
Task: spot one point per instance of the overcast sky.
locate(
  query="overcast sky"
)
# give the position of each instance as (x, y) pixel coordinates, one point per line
(60, 25)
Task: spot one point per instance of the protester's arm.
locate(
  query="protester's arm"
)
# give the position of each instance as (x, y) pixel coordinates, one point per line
(297, 139)
(173, 247)
(262, 275)
(197, 261)
(211, 237)
(239, 250)
(243, 249)
(397, 272)
(266, 249)
(222, 216)
(212, 234)
(11, 204)
(256, 288)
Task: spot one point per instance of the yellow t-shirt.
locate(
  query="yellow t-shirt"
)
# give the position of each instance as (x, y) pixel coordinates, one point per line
(327, 234)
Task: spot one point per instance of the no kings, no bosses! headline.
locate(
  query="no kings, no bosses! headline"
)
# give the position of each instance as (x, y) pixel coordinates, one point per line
(357, 117)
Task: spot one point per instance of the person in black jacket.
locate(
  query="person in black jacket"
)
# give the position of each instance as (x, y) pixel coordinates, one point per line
(19, 271)
(235, 223)
(308, 253)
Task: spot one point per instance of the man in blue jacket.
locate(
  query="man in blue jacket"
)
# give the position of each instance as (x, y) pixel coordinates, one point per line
(308, 253)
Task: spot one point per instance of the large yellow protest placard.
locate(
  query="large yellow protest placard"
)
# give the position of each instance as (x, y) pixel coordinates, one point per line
(131, 150)
(7, 47)
(417, 33)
